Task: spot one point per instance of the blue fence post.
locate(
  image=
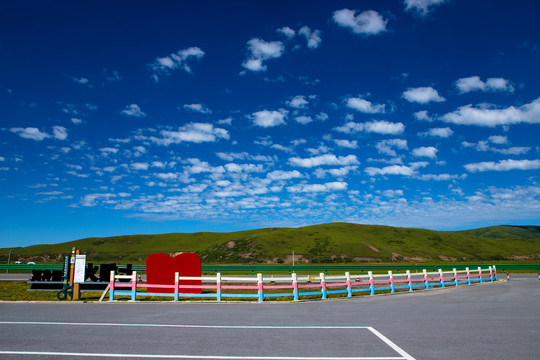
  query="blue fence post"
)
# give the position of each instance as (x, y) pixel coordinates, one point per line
(409, 280)
(468, 276)
(371, 283)
(426, 280)
(111, 286)
(323, 285)
(441, 277)
(134, 286)
(495, 273)
(218, 286)
(480, 274)
(349, 290)
(455, 277)
(391, 282)
(176, 284)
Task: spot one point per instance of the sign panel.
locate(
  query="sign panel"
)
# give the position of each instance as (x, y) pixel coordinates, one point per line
(80, 267)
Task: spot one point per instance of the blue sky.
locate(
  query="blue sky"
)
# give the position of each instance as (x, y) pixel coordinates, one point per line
(167, 116)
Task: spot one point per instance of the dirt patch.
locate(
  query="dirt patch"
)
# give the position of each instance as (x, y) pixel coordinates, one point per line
(373, 248)
(524, 257)
(365, 259)
(230, 244)
(298, 259)
(175, 253)
(446, 258)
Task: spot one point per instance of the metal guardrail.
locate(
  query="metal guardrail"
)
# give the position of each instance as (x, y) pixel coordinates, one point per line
(306, 268)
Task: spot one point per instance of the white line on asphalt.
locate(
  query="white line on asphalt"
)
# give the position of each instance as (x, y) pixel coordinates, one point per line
(149, 356)
(396, 348)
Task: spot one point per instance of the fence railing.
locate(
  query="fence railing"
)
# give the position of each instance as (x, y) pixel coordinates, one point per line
(295, 286)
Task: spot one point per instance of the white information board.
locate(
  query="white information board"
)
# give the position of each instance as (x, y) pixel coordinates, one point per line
(80, 267)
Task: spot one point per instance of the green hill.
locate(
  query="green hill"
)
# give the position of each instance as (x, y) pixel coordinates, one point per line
(326, 243)
(506, 232)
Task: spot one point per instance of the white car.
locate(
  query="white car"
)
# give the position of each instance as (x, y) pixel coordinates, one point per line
(18, 262)
(30, 263)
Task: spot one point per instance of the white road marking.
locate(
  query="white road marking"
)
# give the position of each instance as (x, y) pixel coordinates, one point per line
(396, 348)
(149, 356)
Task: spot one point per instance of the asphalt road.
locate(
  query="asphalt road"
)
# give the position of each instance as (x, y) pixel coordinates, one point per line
(489, 321)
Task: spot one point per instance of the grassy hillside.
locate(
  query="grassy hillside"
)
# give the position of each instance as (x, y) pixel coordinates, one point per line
(326, 243)
(506, 232)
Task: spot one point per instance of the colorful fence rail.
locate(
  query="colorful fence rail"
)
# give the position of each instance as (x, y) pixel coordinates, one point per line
(259, 287)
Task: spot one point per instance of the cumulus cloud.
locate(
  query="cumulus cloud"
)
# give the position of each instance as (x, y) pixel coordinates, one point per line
(474, 83)
(200, 108)
(349, 144)
(365, 106)
(387, 146)
(380, 127)
(425, 151)
(277, 175)
(484, 145)
(396, 169)
(422, 7)
(133, 110)
(368, 22)
(298, 102)
(422, 95)
(327, 159)
(269, 118)
(422, 115)
(438, 132)
(59, 133)
(303, 119)
(491, 117)
(503, 165)
(260, 51)
(192, 132)
(287, 32)
(316, 188)
(164, 66)
(313, 37)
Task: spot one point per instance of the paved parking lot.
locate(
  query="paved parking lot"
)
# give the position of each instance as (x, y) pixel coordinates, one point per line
(489, 321)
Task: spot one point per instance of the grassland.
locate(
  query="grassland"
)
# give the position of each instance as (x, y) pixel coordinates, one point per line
(326, 243)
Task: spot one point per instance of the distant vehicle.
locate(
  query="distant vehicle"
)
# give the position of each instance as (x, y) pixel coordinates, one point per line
(30, 263)
(18, 262)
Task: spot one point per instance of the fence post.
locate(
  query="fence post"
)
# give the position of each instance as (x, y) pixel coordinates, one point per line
(409, 280)
(295, 286)
(495, 273)
(491, 274)
(455, 277)
(323, 285)
(468, 276)
(441, 277)
(426, 280)
(111, 286)
(480, 274)
(349, 290)
(391, 281)
(176, 284)
(134, 286)
(371, 285)
(218, 286)
(260, 286)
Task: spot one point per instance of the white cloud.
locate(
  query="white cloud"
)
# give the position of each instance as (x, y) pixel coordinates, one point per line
(82, 81)
(287, 32)
(422, 95)
(438, 132)
(396, 169)
(298, 102)
(484, 146)
(60, 133)
(179, 60)
(422, 115)
(474, 83)
(503, 165)
(368, 22)
(139, 166)
(267, 118)
(349, 144)
(337, 172)
(313, 37)
(316, 188)
(200, 108)
(482, 116)
(133, 110)
(321, 116)
(365, 106)
(227, 121)
(192, 132)
(303, 119)
(380, 127)
(498, 139)
(260, 51)
(421, 7)
(76, 121)
(284, 175)
(425, 151)
(387, 146)
(327, 159)
(91, 199)
(441, 177)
